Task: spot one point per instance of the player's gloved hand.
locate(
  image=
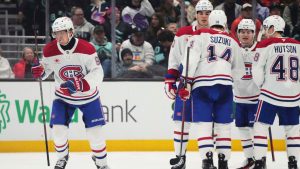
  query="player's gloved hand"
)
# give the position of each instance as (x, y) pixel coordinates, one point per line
(170, 83)
(184, 93)
(37, 69)
(74, 85)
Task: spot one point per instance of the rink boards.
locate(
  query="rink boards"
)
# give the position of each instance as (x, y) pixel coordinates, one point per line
(138, 118)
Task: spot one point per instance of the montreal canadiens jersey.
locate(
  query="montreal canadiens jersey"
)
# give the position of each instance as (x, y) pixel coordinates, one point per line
(213, 58)
(276, 71)
(80, 61)
(250, 93)
(178, 47)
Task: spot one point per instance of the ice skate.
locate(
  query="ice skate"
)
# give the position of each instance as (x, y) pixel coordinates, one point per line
(292, 163)
(208, 163)
(248, 164)
(222, 163)
(178, 163)
(260, 164)
(61, 163)
(99, 167)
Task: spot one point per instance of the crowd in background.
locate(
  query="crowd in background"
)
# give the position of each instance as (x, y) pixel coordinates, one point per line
(144, 29)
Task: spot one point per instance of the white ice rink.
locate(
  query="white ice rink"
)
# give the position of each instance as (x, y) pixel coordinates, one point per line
(123, 160)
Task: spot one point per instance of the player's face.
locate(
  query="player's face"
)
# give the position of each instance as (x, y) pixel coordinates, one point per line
(202, 18)
(246, 36)
(62, 37)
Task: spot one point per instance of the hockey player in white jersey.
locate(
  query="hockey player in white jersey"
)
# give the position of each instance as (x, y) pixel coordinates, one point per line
(214, 63)
(78, 76)
(276, 72)
(246, 100)
(203, 9)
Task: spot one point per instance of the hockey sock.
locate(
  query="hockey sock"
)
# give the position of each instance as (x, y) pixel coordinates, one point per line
(260, 140)
(292, 140)
(223, 139)
(97, 144)
(177, 137)
(205, 139)
(246, 140)
(60, 138)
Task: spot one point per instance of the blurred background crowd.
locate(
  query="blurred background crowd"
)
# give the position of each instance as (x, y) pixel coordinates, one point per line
(144, 30)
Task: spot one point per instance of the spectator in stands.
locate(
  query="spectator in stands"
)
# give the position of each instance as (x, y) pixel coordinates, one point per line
(83, 4)
(95, 12)
(191, 11)
(268, 3)
(83, 28)
(123, 29)
(261, 11)
(245, 14)
(5, 69)
(172, 27)
(125, 61)
(103, 49)
(156, 25)
(165, 39)
(28, 9)
(22, 69)
(291, 16)
(136, 13)
(169, 11)
(57, 9)
(275, 9)
(231, 9)
(142, 50)
(155, 4)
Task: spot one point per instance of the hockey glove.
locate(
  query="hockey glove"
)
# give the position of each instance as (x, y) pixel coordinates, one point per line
(37, 70)
(184, 93)
(170, 83)
(75, 85)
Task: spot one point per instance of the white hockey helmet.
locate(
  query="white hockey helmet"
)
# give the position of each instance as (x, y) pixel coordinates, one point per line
(204, 5)
(246, 24)
(62, 23)
(276, 21)
(217, 17)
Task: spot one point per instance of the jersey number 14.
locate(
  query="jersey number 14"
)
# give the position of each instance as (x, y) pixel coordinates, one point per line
(279, 68)
(212, 54)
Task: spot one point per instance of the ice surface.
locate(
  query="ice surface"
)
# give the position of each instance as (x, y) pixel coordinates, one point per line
(124, 160)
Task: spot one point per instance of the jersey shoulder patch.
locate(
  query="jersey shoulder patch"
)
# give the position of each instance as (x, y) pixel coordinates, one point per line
(51, 49)
(84, 47)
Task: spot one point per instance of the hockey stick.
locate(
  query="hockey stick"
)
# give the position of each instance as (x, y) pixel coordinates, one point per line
(41, 87)
(271, 144)
(184, 103)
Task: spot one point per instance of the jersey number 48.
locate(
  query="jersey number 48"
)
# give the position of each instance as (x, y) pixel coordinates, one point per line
(279, 68)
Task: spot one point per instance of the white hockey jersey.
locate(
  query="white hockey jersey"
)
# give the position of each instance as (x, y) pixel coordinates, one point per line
(213, 58)
(250, 93)
(276, 71)
(178, 47)
(81, 61)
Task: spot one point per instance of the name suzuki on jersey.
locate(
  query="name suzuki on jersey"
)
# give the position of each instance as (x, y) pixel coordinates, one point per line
(219, 39)
(285, 49)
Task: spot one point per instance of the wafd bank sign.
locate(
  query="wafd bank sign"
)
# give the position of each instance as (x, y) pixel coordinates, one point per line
(133, 111)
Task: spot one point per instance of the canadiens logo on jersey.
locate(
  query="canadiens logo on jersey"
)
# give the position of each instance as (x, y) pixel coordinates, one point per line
(248, 75)
(71, 71)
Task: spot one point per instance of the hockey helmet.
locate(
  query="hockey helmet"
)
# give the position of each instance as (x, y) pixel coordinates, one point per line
(246, 24)
(217, 17)
(276, 21)
(62, 23)
(204, 5)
